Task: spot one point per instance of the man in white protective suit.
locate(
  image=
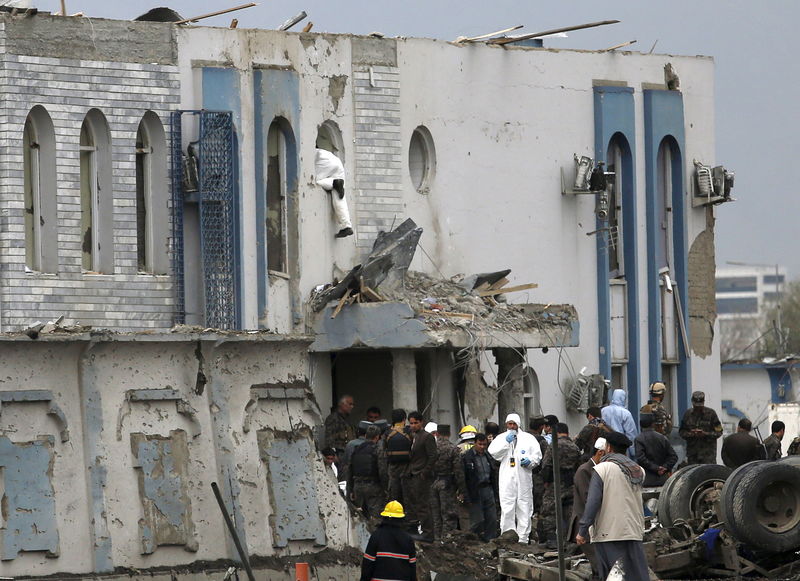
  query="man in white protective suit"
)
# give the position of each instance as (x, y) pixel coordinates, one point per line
(330, 176)
(518, 453)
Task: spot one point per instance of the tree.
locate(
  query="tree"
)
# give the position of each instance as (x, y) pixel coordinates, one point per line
(782, 331)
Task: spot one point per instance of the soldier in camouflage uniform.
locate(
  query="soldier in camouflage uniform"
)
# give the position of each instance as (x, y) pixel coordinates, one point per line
(662, 420)
(588, 435)
(338, 429)
(700, 428)
(569, 457)
(535, 428)
(448, 485)
(794, 447)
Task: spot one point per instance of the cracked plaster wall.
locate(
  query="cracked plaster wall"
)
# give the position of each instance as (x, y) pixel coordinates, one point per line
(134, 440)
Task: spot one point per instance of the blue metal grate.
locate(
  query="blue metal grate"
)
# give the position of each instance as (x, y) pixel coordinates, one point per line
(217, 216)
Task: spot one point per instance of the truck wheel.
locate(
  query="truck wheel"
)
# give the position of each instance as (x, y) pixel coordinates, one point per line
(730, 485)
(793, 460)
(662, 510)
(696, 492)
(765, 507)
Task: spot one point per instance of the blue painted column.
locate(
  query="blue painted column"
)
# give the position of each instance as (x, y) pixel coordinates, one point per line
(615, 122)
(664, 123)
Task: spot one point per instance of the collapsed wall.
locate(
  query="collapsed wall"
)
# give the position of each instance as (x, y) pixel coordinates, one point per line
(109, 444)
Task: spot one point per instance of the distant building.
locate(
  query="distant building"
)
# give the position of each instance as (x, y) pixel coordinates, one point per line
(744, 295)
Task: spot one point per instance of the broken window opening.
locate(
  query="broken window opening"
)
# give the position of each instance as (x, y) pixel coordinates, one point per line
(143, 177)
(276, 199)
(664, 200)
(96, 195)
(39, 169)
(616, 198)
(329, 138)
(421, 159)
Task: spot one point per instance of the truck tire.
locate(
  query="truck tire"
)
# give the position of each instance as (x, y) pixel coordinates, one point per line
(730, 484)
(662, 510)
(692, 494)
(793, 460)
(764, 506)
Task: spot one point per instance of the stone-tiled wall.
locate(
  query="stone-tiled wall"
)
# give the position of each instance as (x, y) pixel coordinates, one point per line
(68, 88)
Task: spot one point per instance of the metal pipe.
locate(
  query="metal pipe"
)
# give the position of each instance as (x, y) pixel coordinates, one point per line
(218, 13)
(232, 531)
(502, 41)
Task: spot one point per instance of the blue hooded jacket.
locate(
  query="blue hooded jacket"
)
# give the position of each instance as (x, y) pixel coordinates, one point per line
(617, 417)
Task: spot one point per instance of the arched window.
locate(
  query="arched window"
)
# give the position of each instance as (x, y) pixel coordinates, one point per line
(39, 161)
(421, 159)
(280, 183)
(151, 196)
(97, 200)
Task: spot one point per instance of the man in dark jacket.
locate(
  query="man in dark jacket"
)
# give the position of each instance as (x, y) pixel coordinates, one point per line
(569, 460)
(365, 487)
(390, 552)
(773, 443)
(700, 427)
(654, 453)
(481, 481)
(594, 429)
(419, 476)
(741, 448)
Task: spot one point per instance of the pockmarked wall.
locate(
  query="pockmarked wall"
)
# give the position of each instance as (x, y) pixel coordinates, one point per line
(110, 443)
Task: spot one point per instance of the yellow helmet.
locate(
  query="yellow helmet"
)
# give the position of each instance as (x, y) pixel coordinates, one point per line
(393, 509)
(468, 429)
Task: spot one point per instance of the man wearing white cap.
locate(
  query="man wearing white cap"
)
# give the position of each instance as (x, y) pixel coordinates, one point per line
(582, 478)
(518, 452)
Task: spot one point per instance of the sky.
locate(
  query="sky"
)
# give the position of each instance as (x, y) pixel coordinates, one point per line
(755, 46)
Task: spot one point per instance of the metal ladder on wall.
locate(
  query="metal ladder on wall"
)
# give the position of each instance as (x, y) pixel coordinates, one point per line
(218, 210)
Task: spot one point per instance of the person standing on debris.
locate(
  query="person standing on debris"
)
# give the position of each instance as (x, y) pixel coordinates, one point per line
(700, 427)
(662, 420)
(338, 429)
(390, 553)
(330, 176)
(419, 476)
(361, 431)
(518, 452)
(583, 477)
(396, 453)
(365, 484)
(654, 453)
(481, 481)
(536, 427)
(740, 448)
(466, 438)
(569, 460)
(594, 429)
(618, 418)
(448, 486)
(613, 516)
(772, 444)
(329, 457)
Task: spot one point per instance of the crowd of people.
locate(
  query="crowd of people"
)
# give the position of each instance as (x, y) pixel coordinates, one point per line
(499, 479)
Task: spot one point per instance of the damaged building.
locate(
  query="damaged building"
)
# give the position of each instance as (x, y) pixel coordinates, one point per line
(198, 316)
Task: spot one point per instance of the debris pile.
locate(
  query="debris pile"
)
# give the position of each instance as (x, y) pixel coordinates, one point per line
(477, 301)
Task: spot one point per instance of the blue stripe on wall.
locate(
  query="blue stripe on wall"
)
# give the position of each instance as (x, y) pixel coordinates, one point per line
(276, 96)
(664, 120)
(221, 92)
(615, 119)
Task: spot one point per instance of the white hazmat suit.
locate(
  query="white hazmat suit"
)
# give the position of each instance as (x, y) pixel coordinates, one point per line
(329, 168)
(516, 484)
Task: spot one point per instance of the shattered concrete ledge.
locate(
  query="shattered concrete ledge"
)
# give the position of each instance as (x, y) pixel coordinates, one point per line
(395, 325)
(325, 564)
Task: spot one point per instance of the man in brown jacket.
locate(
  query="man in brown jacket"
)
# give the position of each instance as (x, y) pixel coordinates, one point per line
(419, 476)
(581, 483)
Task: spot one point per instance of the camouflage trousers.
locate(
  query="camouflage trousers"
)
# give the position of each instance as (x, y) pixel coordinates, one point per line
(370, 497)
(702, 452)
(547, 516)
(444, 508)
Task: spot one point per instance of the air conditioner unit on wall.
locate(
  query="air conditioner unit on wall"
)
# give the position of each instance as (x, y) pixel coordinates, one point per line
(585, 391)
(712, 185)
